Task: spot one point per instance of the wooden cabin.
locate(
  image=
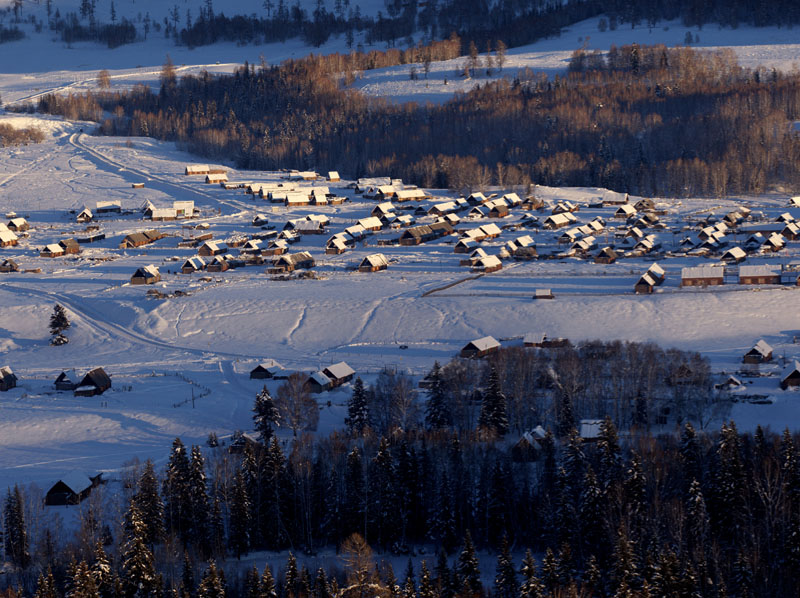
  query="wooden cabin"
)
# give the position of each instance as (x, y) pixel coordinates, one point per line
(762, 274)
(791, 375)
(211, 248)
(606, 256)
(266, 370)
(339, 373)
(141, 238)
(95, 382)
(146, 275)
(52, 250)
(702, 276)
(63, 382)
(9, 265)
(760, 353)
(480, 347)
(318, 382)
(373, 263)
(8, 379)
(70, 490)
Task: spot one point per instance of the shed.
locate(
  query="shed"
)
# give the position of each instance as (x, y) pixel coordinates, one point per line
(146, 275)
(625, 211)
(480, 347)
(333, 176)
(339, 373)
(108, 207)
(734, 255)
(644, 285)
(490, 263)
(71, 246)
(318, 382)
(760, 353)
(373, 263)
(8, 379)
(543, 294)
(791, 375)
(210, 248)
(265, 370)
(52, 250)
(85, 215)
(193, 264)
(69, 490)
(9, 265)
(605, 256)
(95, 382)
(63, 382)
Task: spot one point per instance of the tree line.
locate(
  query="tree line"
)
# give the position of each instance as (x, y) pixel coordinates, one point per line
(643, 120)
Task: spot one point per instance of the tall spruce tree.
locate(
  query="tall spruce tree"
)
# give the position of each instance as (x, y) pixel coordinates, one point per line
(46, 585)
(138, 565)
(212, 584)
(199, 506)
(427, 589)
(437, 412)
(175, 488)
(148, 501)
(80, 582)
(357, 420)
(59, 322)
(505, 579)
(240, 524)
(493, 416)
(468, 571)
(265, 415)
(16, 530)
(531, 586)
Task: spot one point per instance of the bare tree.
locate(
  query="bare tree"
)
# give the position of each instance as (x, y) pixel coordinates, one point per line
(297, 408)
(103, 79)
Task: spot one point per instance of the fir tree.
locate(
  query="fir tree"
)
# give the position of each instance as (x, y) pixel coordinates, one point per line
(59, 322)
(445, 580)
(409, 587)
(437, 413)
(505, 579)
(265, 415)
(427, 589)
(550, 571)
(80, 582)
(730, 487)
(357, 420)
(252, 587)
(139, 574)
(531, 586)
(610, 454)
(177, 503)
(105, 579)
(187, 586)
(592, 578)
(46, 585)
(292, 581)
(198, 500)
(267, 584)
(493, 416)
(383, 495)
(321, 587)
(468, 572)
(16, 530)
(625, 571)
(150, 505)
(690, 454)
(212, 584)
(592, 514)
(240, 517)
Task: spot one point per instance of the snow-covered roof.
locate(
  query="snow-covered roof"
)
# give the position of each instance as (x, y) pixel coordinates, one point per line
(376, 260)
(339, 370)
(759, 270)
(76, 481)
(762, 348)
(6, 236)
(485, 343)
(590, 428)
(703, 272)
(321, 379)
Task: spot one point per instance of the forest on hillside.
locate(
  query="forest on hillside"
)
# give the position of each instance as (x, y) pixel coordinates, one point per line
(644, 120)
(619, 513)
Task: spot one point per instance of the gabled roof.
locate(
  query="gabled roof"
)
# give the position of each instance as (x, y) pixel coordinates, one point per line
(791, 368)
(762, 348)
(96, 378)
(340, 370)
(76, 481)
(484, 343)
(376, 260)
(321, 379)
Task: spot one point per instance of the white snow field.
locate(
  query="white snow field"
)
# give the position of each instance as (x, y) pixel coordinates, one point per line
(180, 365)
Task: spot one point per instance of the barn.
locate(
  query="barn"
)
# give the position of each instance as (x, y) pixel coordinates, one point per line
(95, 382)
(480, 347)
(146, 275)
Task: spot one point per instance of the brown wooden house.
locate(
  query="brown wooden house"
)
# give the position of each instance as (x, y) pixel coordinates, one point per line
(95, 382)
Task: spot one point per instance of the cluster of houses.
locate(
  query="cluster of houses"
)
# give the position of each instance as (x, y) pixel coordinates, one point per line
(717, 275)
(481, 347)
(94, 382)
(328, 378)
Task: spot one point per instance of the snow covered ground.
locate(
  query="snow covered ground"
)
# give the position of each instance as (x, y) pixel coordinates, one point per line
(163, 353)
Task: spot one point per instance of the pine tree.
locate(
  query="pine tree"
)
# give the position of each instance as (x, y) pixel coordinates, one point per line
(409, 587)
(531, 586)
(139, 574)
(493, 416)
(625, 571)
(177, 503)
(383, 495)
(427, 589)
(252, 588)
(730, 487)
(292, 581)
(267, 584)
(265, 415)
(198, 500)
(592, 578)
(354, 503)
(212, 584)
(697, 533)
(16, 531)
(322, 588)
(505, 579)
(105, 579)
(550, 571)
(592, 515)
(445, 579)
(437, 413)
(357, 420)
(468, 572)
(59, 322)
(150, 505)
(690, 455)
(240, 517)
(187, 586)
(610, 454)
(81, 583)
(46, 585)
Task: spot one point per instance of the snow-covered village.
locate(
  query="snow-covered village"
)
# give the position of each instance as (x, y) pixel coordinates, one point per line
(420, 299)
